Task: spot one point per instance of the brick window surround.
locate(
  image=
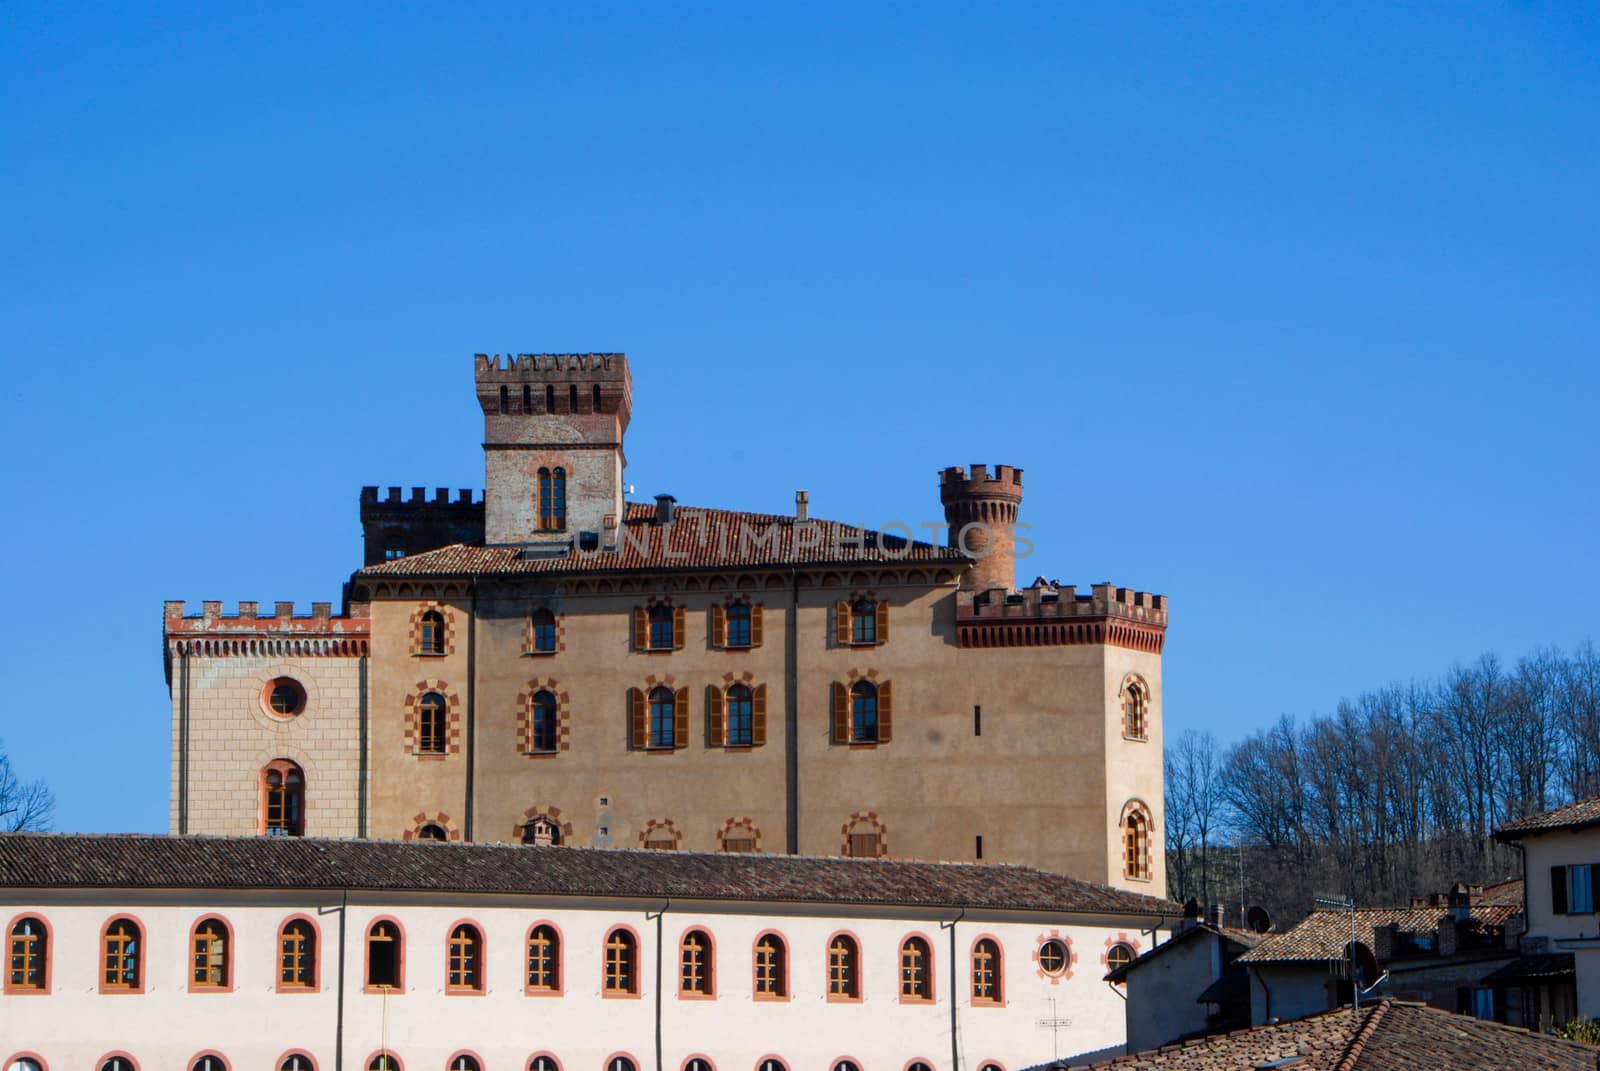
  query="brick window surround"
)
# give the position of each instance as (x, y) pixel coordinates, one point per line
(1137, 833)
(440, 646)
(411, 738)
(863, 836)
(739, 835)
(525, 717)
(1069, 960)
(1135, 695)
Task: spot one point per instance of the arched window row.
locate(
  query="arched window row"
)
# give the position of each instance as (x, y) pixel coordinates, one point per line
(387, 1060)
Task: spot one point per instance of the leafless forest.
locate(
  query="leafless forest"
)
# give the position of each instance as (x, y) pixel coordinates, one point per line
(1394, 794)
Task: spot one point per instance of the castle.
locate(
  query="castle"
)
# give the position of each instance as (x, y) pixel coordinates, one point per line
(551, 664)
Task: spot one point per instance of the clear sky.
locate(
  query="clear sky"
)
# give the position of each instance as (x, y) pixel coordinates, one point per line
(1289, 312)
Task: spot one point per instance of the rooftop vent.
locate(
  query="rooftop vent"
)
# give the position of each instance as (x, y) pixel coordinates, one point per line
(664, 508)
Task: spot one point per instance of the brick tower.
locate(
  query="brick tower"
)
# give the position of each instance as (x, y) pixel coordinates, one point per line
(981, 510)
(552, 443)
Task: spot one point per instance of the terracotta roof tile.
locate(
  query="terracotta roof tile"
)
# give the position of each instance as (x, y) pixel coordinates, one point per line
(697, 539)
(159, 862)
(1572, 816)
(1323, 935)
(1388, 1036)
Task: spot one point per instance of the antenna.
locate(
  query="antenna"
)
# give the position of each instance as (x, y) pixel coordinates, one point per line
(1347, 903)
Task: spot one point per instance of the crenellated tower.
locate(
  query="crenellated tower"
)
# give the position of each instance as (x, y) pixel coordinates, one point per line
(981, 510)
(552, 442)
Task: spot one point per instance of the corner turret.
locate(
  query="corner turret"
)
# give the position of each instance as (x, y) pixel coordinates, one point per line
(981, 510)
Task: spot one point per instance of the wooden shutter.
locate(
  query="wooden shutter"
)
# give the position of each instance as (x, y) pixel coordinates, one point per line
(719, 625)
(680, 625)
(638, 718)
(714, 715)
(641, 629)
(758, 715)
(680, 715)
(1558, 890)
(841, 623)
(841, 713)
(883, 621)
(755, 625)
(885, 712)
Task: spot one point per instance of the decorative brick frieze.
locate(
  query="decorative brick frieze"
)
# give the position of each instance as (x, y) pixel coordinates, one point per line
(1053, 615)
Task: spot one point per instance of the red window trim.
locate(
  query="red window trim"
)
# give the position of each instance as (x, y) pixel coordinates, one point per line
(49, 961)
(561, 967)
(933, 984)
(399, 988)
(316, 957)
(227, 961)
(482, 988)
(144, 964)
(827, 967)
(755, 992)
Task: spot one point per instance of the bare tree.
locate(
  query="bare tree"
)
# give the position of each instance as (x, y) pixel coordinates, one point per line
(25, 806)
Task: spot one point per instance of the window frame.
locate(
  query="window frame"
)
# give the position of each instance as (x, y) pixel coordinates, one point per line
(441, 713)
(859, 698)
(748, 703)
(708, 965)
(739, 614)
(394, 1061)
(1136, 835)
(315, 985)
(433, 634)
(555, 1062)
(996, 970)
(542, 626)
(474, 956)
(551, 714)
(853, 992)
(294, 1054)
(44, 956)
(226, 985)
(1111, 962)
(291, 797)
(1066, 957)
(367, 941)
(464, 1054)
(661, 623)
(1135, 709)
(929, 987)
(140, 964)
(779, 994)
(864, 621)
(193, 1063)
(116, 1055)
(633, 989)
(559, 970)
(654, 741)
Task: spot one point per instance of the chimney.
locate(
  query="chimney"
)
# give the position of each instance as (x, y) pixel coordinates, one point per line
(1214, 915)
(664, 504)
(1383, 942)
(802, 506)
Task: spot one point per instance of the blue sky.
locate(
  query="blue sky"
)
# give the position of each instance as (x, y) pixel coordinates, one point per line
(1288, 313)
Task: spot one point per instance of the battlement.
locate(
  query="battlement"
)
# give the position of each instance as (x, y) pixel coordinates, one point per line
(249, 617)
(1049, 614)
(558, 367)
(978, 478)
(441, 498)
(283, 634)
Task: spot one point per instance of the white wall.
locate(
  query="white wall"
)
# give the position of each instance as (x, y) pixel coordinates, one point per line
(1161, 992)
(253, 1025)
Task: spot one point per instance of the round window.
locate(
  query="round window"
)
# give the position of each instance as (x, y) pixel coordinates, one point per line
(283, 697)
(1053, 956)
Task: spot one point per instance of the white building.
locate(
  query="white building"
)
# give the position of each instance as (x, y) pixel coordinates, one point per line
(131, 953)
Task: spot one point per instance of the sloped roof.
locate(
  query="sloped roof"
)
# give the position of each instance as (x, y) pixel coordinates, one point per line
(1388, 1036)
(1323, 935)
(1507, 892)
(696, 539)
(1572, 816)
(1535, 967)
(130, 861)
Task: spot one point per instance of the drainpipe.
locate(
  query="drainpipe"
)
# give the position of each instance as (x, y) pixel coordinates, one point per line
(472, 700)
(338, 1021)
(183, 740)
(791, 719)
(955, 991)
(362, 774)
(658, 917)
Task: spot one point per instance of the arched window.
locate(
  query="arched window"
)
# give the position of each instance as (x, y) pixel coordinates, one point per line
(431, 724)
(1119, 955)
(772, 967)
(1135, 709)
(863, 713)
(430, 638)
(208, 1063)
(505, 399)
(844, 968)
(27, 955)
(740, 836)
(24, 1063)
(542, 832)
(663, 716)
(122, 959)
(464, 968)
(543, 1063)
(384, 1061)
(552, 499)
(297, 955)
(697, 965)
(549, 398)
(916, 970)
(695, 1063)
(542, 721)
(661, 632)
(543, 625)
(622, 963)
(918, 1065)
(846, 1065)
(385, 956)
(296, 1061)
(209, 958)
(597, 397)
(737, 728)
(527, 397)
(621, 1063)
(772, 1064)
(572, 397)
(864, 838)
(1136, 845)
(986, 972)
(465, 1062)
(116, 1063)
(738, 624)
(864, 622)
(544, 959)
(433, 833)
(283, 799)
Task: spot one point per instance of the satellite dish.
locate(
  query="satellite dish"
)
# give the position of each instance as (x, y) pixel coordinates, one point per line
(1258, 919)
(1367, 970)
(1191, 908)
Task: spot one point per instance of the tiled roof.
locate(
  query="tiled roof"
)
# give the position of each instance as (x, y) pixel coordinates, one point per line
(696, 539)
(1323, 935)
(1507, 892)
(161, 862)
(1387, 1036)
(1572, 816)
(1244, 938)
